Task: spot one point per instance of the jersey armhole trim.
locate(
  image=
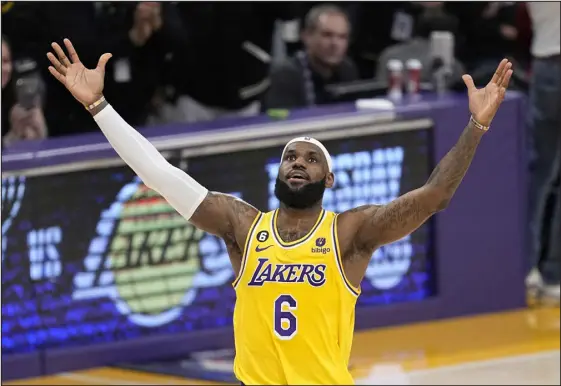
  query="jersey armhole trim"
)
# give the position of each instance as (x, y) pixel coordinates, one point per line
(352, 289)
(247, 245)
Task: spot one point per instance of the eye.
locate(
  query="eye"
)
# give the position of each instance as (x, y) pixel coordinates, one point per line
(290, 157)
(312, 160)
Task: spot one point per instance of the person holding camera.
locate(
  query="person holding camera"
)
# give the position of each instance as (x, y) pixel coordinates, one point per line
(22, 113)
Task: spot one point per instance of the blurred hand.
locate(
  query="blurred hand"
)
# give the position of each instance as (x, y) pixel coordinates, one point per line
(147, 20)
(140, 33)
(85, 85)
(484, 102)
(26, 124)
(509, 32)
(491, 10)
(157, 20)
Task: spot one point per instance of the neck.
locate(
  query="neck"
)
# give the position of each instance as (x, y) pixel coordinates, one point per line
(321, 68)
(289, 214)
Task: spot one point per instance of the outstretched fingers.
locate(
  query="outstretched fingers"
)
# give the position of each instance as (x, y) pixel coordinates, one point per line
(57, 69)
(506, 80)
(61, 78)
(103, 62)
(499, 72)
(502, 87)
(504, 73)
(56, 63)
(61, 55)
(468, 80)
(71, 51)
(60, 62)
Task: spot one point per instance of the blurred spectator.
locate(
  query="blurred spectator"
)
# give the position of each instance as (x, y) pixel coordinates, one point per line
(221, 58)
(545, 123)
(22, 113)
(7, 87)
(140, 53)
(94, 27)
(383, 24)
(300, 81)
(32, 26)
(524, 27)
(6, 63)
(487, 34)
(432, 19)
(7, 70)
(304, 7)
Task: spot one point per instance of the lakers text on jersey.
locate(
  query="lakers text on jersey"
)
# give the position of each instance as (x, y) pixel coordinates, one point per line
(295, 309)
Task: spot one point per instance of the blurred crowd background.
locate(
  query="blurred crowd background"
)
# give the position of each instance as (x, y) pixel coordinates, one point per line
(194, 61)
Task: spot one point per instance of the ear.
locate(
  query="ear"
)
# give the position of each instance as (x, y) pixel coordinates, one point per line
(329, 180)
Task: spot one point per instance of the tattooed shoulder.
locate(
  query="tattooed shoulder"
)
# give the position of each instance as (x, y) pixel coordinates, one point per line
(219, 213)
(242, 209)
(361, 208)
(239, 208)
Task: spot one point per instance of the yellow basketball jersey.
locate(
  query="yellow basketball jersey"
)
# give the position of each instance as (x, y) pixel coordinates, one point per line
(295, 310)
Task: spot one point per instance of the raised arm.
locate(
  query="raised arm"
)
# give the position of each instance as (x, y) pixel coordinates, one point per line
(216, 213)
(377, 225)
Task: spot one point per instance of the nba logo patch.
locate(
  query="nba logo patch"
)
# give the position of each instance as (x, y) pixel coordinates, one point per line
(320, 241)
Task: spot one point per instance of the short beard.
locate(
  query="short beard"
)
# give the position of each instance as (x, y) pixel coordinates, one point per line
(302, 198)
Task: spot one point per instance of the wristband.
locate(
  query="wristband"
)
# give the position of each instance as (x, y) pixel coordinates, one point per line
(95, 104)
(478, 125)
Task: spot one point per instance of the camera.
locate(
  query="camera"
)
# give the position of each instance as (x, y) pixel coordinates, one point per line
(29, 86)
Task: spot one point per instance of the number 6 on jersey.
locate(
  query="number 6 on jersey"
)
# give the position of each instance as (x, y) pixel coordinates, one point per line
(285, 321)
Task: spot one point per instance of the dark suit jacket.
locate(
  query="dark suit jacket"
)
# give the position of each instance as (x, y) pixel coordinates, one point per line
(287, 89)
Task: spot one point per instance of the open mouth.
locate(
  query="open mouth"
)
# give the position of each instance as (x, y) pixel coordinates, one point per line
(297, 177)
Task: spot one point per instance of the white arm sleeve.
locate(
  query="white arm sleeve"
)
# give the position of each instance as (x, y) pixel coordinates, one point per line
(177, 187)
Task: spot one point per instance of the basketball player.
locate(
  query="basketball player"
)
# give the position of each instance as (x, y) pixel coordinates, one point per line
(298, 269)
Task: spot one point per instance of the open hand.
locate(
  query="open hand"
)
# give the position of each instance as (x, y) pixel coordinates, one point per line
(84, 84)
(484, 102)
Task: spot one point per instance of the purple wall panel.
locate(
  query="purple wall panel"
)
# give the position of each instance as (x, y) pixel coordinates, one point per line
(22, 366)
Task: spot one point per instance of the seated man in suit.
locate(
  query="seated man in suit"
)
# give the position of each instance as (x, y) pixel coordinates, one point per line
(301, 80)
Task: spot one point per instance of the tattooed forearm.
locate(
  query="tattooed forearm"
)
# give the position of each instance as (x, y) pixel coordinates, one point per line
(448, 174)
(399, 216)
(385, 224)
